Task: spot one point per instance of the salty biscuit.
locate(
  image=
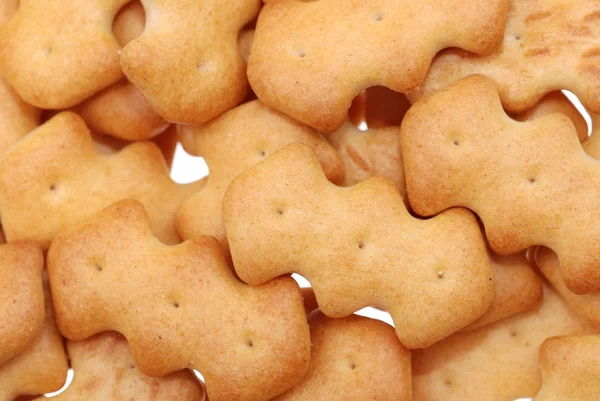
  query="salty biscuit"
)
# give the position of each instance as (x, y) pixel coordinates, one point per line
(548, 45)
(7, 9)
(283, 216)
(57, 169)
(587, 305)
(570, 369)
(538, 192)
(166, 142)
(179, 306)
(187, 62)
(232, 143)
(592, 144)
(42, 367)
(22, 297)
(377, 152)
(498, 362)
(104, 370)
(518, 288)
(121, 110)
(353, 358)
(557, 102)
(17, 118)
(310, 59)
(49, 66)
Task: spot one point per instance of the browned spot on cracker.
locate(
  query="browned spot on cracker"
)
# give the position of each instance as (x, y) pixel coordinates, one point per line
(595, 15)
(362, 163)
(543, 51)
(591, 53)
(538, 16)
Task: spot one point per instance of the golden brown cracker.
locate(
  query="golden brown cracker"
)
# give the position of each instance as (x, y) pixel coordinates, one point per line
(592, 144)
(518, 288)
(42, 367)
(498, 362)
(557, 102)
(57, 169)
(570, 369)
(310, 59)
(587, 305)
(353, 358)
(7, 9)
(105, 370)
(357, 246)
(166, 142)
(187, 62)
(57, 53)
(530, 183)
(179, 307)
(22, 297)
(548, 45)
(17, 118)
(375, 152)
(121, 110)
(231, 144)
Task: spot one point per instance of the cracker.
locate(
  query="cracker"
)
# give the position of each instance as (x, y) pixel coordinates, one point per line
(570, 369)
(537, 193)
(547, 46)
(57, 169)
(587, 305)
(230, 145)
(187, 62)
(352, 45)
(557, 102)
(179, 307)
(353, 358)
(17, 118)
(166, 142)
(375, 152)
(7, 9)
(283, 216)
(105, 370)
(47, 64)
(42, 367)
(22, 303)
(497, 362)
(121, 110)
(592, 145)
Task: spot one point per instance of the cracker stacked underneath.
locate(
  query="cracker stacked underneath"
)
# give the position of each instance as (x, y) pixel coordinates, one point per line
(416, 156)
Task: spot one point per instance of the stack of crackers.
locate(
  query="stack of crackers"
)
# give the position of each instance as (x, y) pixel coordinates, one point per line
(417, 156)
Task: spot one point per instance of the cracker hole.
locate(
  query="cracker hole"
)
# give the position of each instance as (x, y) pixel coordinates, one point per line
(262, 153)
(378, 16)
(531, 179)
(98, 267)
(456, 142)
(249, 343)
(440, 274)
(361, 245)
(448, 382)
(175, 304)
(301, 53)
(48, 50)
(513, 333)
(351, 365)
(517, 37)
(202, 67)
(52, 187)
(280, 211)
(131, 366)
